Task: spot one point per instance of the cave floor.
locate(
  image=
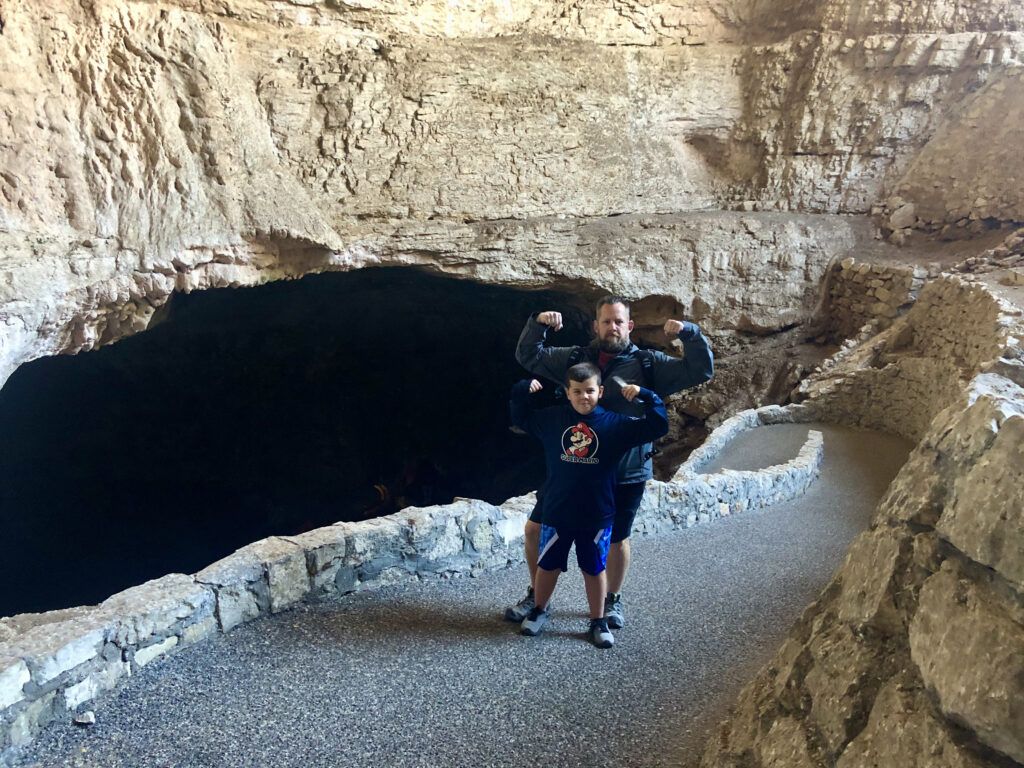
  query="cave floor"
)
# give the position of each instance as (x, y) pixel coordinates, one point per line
(429, 674)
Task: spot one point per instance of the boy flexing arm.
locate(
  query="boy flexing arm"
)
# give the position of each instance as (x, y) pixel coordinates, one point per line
(583, 444)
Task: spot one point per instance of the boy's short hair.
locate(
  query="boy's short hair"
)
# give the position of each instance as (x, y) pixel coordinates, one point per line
(582, 372)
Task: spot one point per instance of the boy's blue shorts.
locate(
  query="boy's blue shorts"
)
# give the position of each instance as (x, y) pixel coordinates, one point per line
(591, 548)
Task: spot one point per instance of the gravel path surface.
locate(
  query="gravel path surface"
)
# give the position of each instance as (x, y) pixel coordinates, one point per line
(429, 675)
(762, 447)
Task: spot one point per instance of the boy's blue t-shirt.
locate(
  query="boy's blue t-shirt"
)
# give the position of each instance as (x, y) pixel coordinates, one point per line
(582, 454)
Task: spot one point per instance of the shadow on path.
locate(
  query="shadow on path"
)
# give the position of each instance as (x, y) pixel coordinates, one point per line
(430, 675)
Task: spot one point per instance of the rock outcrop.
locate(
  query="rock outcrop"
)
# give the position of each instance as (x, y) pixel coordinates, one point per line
(912, 655)
(149, 148)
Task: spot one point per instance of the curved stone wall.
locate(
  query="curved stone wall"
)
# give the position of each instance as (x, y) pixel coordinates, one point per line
(859, 292)
(55, 663)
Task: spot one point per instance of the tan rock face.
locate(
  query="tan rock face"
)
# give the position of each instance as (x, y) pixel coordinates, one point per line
(985, 518)
(839, 683)
(950, 185)
(903, 731)
(870, 581)
(149, 148)
(912, 655)
(397, 131)
(969, 646)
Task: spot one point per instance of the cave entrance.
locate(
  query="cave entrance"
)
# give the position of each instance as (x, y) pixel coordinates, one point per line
(245, 413)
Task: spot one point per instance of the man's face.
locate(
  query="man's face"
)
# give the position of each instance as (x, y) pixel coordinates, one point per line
(612, 327)
(583, 395)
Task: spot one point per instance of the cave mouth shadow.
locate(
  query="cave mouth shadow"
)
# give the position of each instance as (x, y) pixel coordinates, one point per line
(249, 412)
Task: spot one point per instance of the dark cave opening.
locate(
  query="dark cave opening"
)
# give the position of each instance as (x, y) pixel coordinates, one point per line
(245, 413)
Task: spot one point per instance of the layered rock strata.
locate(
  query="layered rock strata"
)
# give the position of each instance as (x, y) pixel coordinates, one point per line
(740, 271)
(151, 148)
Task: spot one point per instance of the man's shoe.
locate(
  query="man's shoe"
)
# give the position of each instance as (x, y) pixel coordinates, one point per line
(599, 633)
(522, 609)
(535, 622)
(613, 610)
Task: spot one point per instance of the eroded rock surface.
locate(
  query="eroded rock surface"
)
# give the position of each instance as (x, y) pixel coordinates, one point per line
(148, 149)
(912, 655)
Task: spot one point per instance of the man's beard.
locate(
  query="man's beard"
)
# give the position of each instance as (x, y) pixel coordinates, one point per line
(613, 345)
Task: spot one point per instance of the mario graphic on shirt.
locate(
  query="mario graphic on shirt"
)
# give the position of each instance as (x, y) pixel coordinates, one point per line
(579, 444)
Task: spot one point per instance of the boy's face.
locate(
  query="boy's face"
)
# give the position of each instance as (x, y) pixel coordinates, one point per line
(583, 395)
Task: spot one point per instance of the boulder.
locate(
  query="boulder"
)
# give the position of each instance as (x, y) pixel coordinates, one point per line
(869, 582)
(903, 217)
(968, 643)
(984, 518)
(902, 731)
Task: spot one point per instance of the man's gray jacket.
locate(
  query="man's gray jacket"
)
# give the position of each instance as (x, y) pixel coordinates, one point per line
(669, 374)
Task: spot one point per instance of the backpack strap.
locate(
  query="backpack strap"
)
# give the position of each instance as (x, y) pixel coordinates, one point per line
(646, 358)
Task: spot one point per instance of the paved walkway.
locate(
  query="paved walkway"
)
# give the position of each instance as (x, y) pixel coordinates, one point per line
(429, 675)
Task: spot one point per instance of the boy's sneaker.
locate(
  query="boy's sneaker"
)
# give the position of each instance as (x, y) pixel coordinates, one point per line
(613, 610)
(535, 622)
(599, 633)
(522, 609)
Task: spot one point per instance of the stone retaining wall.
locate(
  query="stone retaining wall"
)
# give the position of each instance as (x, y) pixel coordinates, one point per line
(898, 380)
(691, 497)
(862, 292)
(56, 663)
(913, 655)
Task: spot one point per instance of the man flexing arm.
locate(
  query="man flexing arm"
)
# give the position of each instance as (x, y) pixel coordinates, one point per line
(614, 353)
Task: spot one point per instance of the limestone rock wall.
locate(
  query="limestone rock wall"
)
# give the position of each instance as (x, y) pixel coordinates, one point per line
(147, 148)
(968, 176)
(835, 119)
(729, 270)
(913, 654)
(843, 98)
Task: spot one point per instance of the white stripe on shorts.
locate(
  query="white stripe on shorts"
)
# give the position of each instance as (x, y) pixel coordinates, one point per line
(548, 546)
(599, 535)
